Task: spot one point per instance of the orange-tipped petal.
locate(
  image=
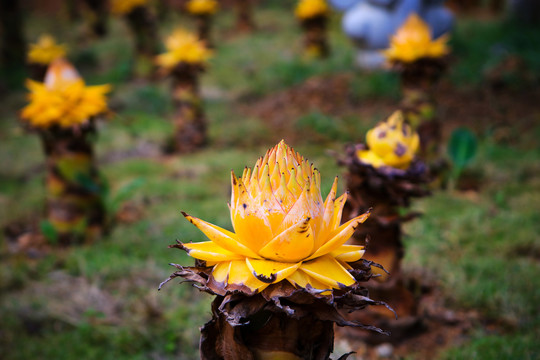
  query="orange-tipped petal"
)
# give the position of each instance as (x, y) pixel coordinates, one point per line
(297, 213)
(292, 245)
(338, 211)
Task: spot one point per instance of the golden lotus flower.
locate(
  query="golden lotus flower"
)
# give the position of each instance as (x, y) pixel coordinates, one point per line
(46, 50)
(412, 41)
(63, 99)
(183, 46)
(391, 143)
(123, 7)
(202, 7)
(282, 229)
(307, 9)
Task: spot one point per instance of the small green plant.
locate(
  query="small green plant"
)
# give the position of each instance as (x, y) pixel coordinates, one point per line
(48, 230)
(320, 123)
(114, 201)
(462, 149)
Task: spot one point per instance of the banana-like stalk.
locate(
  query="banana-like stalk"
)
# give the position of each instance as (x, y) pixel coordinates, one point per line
(189, 119)
(143, 26)
(385, 190)
(74, 204)
(204, 24)
(315, 39)
(418, 82)
(244, 15)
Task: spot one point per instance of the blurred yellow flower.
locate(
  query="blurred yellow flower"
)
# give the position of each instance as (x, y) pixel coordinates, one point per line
(185, 47)
(123, 7)
(412, 41)
(202, 7)
(63, 99)
(391, 143)
(45, 50)
(282, 229)
(307, 9)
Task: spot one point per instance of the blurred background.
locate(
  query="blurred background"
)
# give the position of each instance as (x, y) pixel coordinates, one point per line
(477, 240)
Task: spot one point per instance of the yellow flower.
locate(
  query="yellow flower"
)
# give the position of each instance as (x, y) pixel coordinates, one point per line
(122, 7)
(45, 50)
(307, 9)
(412, 41)
(202, 7)
(183, 46)
(391, 143)
(282, 229)
(63, 99)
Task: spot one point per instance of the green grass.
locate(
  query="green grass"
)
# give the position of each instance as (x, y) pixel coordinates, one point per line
(485, 45)
(482, 247)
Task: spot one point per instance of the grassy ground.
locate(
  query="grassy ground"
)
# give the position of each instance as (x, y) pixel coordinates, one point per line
(101, 301)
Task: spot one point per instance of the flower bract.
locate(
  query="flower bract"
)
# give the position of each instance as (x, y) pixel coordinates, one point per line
(122, 7)
(307, 9)
(45, 50)
(63, 99)
(412, 41)
(183, 46)
(391, 143)
(283, 230)
(202, 7)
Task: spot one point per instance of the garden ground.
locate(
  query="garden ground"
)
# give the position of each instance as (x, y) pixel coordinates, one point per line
(479, 247)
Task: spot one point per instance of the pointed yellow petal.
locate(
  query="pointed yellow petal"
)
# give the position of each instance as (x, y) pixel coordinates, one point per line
(348, 253)
(283, 195)
(293, 185)
(327, 270)
(340, 236)
(209, 251)
(224, 238)
(292, 245)
(253, 230)
(299, 279)
(338, 211)
(235, 190)
(271, 272)
(327, 217)
(297, 213)
(221, 271)
(240, 196)
(240, 274)
(302, 279)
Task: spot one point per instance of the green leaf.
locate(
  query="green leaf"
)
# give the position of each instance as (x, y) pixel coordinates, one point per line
(89, 183)
(462, 147)
(48, 230)
(124, 193)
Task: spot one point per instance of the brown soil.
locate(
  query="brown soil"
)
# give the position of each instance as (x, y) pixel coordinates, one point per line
(493, 107)
(23, 237)
(421, 337)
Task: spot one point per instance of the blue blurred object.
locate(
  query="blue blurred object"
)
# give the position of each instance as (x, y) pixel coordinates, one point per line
(371, 23)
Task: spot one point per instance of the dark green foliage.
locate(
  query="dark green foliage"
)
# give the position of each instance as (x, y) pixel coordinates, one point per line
(487, 45)
(48, 230)
(462, 148)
